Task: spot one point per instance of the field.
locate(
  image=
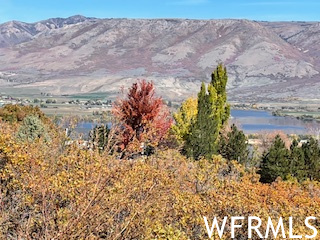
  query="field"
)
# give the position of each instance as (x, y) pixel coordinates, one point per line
(79, 105)
(84, 105)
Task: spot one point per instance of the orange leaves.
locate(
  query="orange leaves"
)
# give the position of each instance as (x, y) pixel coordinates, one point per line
(71, 193)
(143, 118)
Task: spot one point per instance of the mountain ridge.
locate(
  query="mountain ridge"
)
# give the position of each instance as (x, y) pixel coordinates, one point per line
(265, 60)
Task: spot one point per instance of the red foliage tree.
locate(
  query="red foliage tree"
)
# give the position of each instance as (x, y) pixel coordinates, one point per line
(144, 119)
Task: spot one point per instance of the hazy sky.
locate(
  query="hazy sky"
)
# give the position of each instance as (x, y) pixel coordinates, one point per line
(269, 10)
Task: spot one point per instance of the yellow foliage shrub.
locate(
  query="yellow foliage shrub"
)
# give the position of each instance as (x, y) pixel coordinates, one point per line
(54, 192)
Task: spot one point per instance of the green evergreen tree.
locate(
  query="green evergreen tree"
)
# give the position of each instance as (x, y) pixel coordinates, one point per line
(275, 162)
(99, 137)
(213, 113)
(32, 129)
(311, 153)
(296, 161)
(202, 141)
(234, 146)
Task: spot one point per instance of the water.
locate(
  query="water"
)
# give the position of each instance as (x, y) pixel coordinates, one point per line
(84, 128)
(252, 121)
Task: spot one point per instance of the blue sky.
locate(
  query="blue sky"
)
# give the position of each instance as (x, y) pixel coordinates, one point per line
(269, 10)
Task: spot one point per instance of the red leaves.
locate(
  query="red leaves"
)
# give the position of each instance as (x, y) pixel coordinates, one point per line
(143, 117)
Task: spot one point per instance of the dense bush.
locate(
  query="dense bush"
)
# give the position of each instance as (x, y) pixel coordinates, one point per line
(16, 113)
(32, 129)
(72, 193)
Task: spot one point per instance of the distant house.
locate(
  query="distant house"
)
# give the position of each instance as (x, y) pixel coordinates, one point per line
(254, 141)
(303, 142)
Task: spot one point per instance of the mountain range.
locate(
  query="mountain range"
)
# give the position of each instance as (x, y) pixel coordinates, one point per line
(266, 61)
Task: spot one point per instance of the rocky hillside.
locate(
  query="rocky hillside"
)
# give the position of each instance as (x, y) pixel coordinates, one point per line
(265, 60)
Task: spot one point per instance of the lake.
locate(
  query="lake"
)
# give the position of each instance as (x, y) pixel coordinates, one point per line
(84, 127)
(252, 121)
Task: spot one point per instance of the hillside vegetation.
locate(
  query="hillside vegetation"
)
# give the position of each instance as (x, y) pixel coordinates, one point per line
(50, 191)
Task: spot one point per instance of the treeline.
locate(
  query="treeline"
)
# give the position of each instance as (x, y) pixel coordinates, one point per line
(301, 162)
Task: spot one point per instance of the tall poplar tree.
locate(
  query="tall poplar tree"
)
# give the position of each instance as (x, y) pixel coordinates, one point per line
(219, 79)
(213, 113)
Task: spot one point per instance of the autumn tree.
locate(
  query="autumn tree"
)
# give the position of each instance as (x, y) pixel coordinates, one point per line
(213, 113)
(267, 138)
(184, 118)
(144, 119)
(16, 113)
